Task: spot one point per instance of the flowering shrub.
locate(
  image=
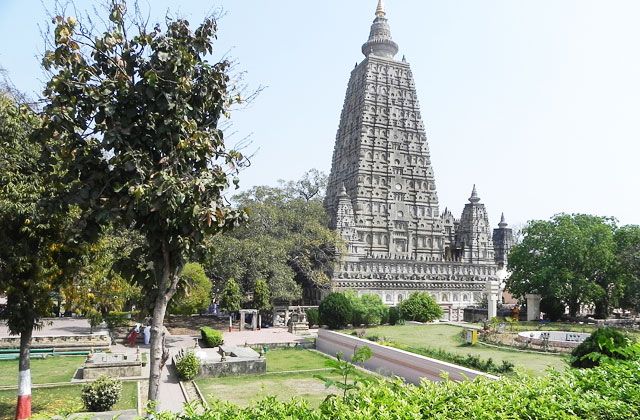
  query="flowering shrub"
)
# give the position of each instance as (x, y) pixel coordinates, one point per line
(101, 394)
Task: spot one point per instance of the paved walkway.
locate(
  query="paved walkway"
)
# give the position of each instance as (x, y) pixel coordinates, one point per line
(59, 327)
(265, 336)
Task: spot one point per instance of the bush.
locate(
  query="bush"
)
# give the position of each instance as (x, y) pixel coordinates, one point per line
(421, 307)
(335, 311)
(374, 312)
(188, 366)
(211, 337)
(394, 316)
(119, 319)
(607, 342)
(101, 394)
(553, 309)
(194, 291)
(313, 316)
(605, 392)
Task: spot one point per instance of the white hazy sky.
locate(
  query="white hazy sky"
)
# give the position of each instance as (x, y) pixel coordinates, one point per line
(535, 101)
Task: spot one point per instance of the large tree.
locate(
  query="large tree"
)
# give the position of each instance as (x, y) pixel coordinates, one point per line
(138, 113)
(569, 259)
(286, 241)
(36, 231)
(627, 240)
(98, 285)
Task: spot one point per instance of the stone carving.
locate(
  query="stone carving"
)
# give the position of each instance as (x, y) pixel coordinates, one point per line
(382, 196)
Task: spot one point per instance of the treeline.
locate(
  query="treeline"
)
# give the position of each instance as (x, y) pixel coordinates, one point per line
(578, 262)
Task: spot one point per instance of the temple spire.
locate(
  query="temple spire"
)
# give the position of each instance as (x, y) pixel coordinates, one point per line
(380, 12)
(474, 195)
(503, 222)
(380, 43)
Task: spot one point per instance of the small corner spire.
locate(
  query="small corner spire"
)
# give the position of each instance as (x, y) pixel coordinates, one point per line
(343, 191)
(474, 195)
(380, 12)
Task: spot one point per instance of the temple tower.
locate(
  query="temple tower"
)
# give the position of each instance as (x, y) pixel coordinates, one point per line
(382, 158)
(382, 197)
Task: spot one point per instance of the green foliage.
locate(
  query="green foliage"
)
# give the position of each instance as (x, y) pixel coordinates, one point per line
(470, 360)
(135, 112)
(118, 319)
(575, 260)
(552, 308)
(395, 316)
(603, 344)
(627, 240)
(313, 316)
(367, 309)
(286, 241)
(607, 392)
(345, 369)
(261, 295)
(188, 366)
(335, 310)
(231, 297)
(211, 337)
(98, 287)
(101, 394)
(194, 291)
(421, 307)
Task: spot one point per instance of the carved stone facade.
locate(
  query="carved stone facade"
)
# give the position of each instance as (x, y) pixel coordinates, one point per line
(382, 196)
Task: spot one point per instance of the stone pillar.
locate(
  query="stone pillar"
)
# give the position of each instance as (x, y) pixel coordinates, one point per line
(286, 317)
(254, 321)
(533, 306)
(493, 293)
(259, 321)
(241, 320)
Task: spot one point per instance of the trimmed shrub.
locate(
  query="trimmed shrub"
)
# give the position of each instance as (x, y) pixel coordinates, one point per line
(607, 342)
(394, 316)
(211, 337)
(313, 316)
(421, 307)
(335, 311)
(188, 366)
(101, 394)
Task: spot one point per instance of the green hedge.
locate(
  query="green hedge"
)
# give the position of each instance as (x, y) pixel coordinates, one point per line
(610, 391)
(211, 337)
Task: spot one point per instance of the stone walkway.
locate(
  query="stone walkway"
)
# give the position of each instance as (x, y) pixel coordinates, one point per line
(59, 327)
(265, 336)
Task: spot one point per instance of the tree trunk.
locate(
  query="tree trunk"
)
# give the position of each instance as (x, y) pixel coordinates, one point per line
(166, 289)
(573, 309)
(23, 409)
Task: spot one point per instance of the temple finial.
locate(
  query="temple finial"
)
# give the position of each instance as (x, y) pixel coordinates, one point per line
(380, 43)
(474, 195)
(380, 12)
(503, 222)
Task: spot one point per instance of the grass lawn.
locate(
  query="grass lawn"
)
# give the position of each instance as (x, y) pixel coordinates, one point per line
(281, 360)
(53, 369)
(246, 389)
(447, 337)
(61, 400)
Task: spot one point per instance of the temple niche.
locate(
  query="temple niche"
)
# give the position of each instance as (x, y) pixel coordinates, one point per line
(382, 196)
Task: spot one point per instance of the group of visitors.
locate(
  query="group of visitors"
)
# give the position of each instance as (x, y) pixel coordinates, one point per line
(132, 337)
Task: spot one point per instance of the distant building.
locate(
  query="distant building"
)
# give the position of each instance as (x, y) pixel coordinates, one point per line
(382, 197)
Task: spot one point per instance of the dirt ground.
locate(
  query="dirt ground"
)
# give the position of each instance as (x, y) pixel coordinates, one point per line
(190, 325)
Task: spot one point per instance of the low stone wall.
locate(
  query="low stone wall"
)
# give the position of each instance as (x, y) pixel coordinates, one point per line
(233, 367)
(394, 362)
(114, 370)
(564, 339)
(60, 342)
